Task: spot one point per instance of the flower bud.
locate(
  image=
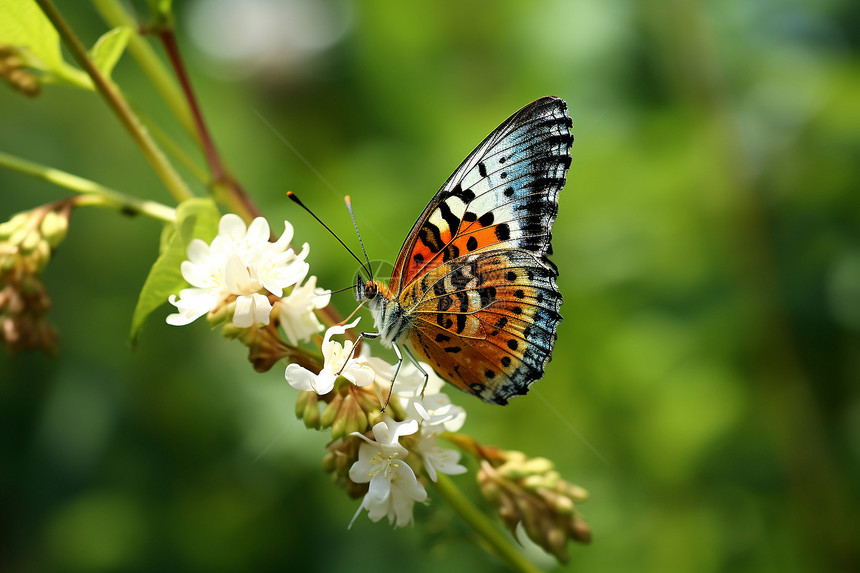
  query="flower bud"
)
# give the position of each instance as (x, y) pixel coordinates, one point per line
(342, 453)
(54, 228)
(577, 529)
(27, 240)
(13, 67)
(529, 491)
(330, 411)
(307, 409)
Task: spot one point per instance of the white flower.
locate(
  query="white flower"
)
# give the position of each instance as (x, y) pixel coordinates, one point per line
(296, 311)
(338, 362)
(240, 263)
(434, 410)
(437, 459)
(393, 488)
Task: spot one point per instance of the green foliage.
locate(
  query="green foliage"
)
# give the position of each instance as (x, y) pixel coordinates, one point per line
(195, 219)
(23, 25)
(109, 47)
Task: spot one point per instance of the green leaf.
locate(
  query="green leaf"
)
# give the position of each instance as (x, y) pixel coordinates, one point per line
(195, 219)
(162, 12)
(24, 26)
(108, 49)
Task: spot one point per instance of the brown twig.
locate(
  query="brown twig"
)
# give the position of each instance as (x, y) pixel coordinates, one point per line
(236, 196)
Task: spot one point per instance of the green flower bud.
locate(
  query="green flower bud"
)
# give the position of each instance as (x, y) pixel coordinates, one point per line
(356, 419)
(54, 228)
(8, 228)
(26, 240)
(330, 412)
(311, 415)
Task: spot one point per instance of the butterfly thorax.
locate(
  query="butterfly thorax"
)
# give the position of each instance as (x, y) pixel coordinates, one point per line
(390, 318)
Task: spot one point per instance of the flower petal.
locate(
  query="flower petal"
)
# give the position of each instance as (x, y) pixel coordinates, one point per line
(284, 241)
(258, 232)
(299, 378)
(231, 227)
(192, 304)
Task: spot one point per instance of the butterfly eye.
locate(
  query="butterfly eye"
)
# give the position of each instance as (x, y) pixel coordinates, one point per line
(370, 290)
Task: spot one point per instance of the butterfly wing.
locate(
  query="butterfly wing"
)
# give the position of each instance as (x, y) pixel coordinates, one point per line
(504, 195)
(486, 322)
(473, 273)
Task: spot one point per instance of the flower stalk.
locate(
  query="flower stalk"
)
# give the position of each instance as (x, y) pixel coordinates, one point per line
(500, 544)
(224, 185)
(96, 194)
(117, 103)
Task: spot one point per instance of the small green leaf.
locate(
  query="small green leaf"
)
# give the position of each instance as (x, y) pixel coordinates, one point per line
(195, 219)
(108, 49)
(24, 26)
(162, 12)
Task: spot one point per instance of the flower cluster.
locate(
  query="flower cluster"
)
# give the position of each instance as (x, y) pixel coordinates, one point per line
(242, 268)
(27, 242)
(15, 69)
(393, 447)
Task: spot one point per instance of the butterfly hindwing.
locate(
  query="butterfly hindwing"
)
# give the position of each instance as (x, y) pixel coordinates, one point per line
(504, 195)
(486, 322)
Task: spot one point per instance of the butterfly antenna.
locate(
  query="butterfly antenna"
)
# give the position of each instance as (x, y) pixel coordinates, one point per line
(360, 242)
(344, 289)
(296, 200)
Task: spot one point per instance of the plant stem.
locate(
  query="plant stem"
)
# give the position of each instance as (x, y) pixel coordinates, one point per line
(222, 181)
(109, 91)
(116, 15)
(96, 194)
(174, 149)
(479, 522)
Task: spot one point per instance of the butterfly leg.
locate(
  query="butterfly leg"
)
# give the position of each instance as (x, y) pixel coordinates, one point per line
(396, 371)
(373, 336)
(420, 369)
(367, 335)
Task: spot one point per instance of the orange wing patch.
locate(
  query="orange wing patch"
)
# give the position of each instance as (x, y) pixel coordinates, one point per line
(486, 322)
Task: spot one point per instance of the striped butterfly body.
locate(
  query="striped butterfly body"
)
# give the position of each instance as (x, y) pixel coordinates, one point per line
(472, 292)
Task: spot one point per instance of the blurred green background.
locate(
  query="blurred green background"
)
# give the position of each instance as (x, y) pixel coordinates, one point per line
(709, 258)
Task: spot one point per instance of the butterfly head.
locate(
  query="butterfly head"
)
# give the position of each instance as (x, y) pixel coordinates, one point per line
(365, 290)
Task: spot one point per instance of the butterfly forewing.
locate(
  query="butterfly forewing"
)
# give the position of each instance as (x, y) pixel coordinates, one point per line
(504, 195)
(473, 275)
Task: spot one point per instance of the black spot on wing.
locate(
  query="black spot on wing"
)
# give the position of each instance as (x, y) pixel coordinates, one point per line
(503, 232)
(464, 195)
(486, 219)
(452, 251)
(464, 301)
(431, 237)
(461, 323)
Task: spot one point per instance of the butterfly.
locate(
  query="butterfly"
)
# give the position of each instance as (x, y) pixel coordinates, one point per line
(472, 292)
